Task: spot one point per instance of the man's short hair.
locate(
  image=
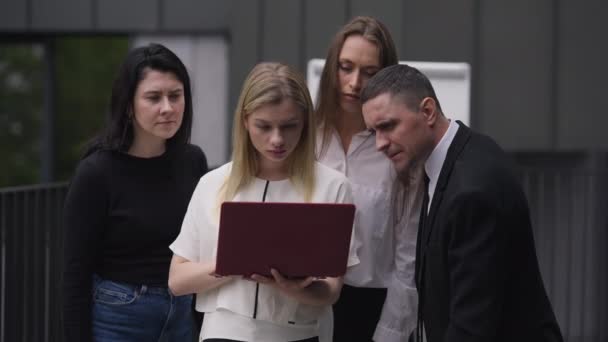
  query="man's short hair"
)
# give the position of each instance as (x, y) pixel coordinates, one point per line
(403, 81)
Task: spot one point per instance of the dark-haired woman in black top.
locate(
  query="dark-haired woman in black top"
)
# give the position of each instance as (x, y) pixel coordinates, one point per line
(125, 206)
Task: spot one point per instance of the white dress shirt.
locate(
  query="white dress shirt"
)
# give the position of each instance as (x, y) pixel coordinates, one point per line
(434, 163)
(386, 250)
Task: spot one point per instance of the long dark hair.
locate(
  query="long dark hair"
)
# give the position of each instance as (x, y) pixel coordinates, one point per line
(118, 132)
(369, 28)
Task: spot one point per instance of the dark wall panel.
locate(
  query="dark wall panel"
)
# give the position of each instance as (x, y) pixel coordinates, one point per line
(119, 15)
(282, 35)
(538, 67)
(196, 15)
(582, 74)
(244, 49)
(62, 15)
(515, 73)
(438, 30)
(13, 15)
(322, 20)
(388, 11)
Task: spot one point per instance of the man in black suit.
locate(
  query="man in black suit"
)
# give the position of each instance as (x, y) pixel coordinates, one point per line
(476, 269)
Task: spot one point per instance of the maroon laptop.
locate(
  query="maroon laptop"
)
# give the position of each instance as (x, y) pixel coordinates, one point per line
(297, 239)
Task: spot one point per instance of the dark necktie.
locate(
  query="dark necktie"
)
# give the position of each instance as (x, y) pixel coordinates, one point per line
(425, 202)
(421, 224)
(419, 266)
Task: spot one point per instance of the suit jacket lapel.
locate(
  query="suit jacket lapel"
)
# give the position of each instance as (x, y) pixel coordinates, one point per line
(460, 140)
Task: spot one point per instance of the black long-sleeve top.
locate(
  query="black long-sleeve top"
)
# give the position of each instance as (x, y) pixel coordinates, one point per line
(120, 216)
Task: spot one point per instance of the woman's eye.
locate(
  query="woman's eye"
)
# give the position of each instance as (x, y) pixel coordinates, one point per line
(345, 67)
(153, 98)
(290, 127)
(263, 128)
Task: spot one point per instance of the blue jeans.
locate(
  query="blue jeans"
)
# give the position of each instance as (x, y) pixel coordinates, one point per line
(125, 312)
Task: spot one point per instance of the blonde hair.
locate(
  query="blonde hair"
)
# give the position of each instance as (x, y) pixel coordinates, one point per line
(327, 106)
(270, 84)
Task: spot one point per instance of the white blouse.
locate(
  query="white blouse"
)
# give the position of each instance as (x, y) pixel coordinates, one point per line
(386, 250)
(279, 317)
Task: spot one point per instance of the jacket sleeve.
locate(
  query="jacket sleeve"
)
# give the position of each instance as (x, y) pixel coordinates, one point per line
(84, 216)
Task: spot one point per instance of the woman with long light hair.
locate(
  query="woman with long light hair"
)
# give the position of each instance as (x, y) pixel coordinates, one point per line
(273, 160)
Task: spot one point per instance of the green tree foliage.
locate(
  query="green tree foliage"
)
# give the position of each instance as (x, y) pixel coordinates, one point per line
(21, 105)
(85, 67)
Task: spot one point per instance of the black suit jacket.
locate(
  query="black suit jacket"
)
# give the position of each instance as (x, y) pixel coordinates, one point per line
(476, 267)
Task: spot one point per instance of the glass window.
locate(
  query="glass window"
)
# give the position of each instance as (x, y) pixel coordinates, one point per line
(22, 72)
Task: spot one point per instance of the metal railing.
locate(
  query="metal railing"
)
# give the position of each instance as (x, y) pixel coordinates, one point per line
(31, 256)
(567, 194)
(568, 198)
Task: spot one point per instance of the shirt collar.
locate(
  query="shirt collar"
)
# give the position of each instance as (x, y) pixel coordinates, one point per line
(434, 163)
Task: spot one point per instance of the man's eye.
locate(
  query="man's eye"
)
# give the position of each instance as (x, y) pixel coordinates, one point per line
(385, 126)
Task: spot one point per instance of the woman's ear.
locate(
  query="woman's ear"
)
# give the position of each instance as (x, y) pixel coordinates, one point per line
(130, 113)
(246, 122)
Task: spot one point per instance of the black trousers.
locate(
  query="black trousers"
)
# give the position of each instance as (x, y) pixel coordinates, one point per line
(357, 313)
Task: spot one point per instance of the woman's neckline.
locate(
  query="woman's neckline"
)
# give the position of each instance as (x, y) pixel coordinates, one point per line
(159, 157)
(271, 180)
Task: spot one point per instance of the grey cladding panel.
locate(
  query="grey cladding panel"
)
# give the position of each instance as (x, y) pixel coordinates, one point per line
(197, 15)
(582, 71)
(62, 15)
(322, 20)
(438, 30)
(244, 53)
(515, 73)
(388, 11)
(282, 37)
(13, 15)
(131, 15)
